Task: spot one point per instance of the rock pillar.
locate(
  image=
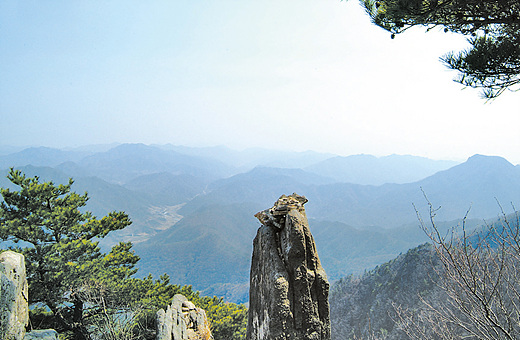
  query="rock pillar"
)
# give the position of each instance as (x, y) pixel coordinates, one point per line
(182, 321)
(14, 308)
(288, 296)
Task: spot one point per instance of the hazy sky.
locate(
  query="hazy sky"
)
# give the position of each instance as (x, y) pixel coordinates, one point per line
(291, 74)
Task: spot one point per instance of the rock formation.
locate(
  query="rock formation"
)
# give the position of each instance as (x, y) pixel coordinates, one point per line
(14, 308)
(182, 321)
(288, 297)
(365, 307)
(14, 305)
(42, 334)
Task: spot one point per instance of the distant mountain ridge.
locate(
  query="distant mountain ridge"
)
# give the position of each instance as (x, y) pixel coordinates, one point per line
(371, 170)
(40, 156)
(140, 159)
(346, 215)
(193, 214)
(250, 158)
(475, 183)
(128, 161)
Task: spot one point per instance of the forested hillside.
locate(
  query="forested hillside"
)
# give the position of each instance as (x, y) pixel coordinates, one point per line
(367, 307)
(192, 208)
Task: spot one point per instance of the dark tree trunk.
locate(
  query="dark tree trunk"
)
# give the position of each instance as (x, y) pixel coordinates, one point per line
(79, 329)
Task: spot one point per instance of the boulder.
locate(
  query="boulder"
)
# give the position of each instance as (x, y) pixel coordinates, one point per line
(42, 334)
(14, 308)
(182, 321)
(288, 297)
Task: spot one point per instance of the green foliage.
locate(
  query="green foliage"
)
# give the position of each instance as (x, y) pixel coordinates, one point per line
(76, 289)
(132, 312)
(135, 317)
(493, 28)
(228, 320)
(58, 241)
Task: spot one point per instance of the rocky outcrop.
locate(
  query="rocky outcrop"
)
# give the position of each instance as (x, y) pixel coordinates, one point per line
(182, 321)
(288, 297)
(14, 309)
(367, 307)
(42, 334)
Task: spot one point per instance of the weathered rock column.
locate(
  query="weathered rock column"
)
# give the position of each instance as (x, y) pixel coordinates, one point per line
(14, 308)
(288, 296)
(182, 321)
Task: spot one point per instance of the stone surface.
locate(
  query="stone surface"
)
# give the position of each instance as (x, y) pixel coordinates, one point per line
(182, 321)
(288, 297)
(42, 334)
(14, 309)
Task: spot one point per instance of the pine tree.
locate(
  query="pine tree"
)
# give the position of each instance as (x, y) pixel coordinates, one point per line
(59, 241)
(492, 63)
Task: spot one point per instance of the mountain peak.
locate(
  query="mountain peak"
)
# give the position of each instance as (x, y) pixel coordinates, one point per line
(487, 161)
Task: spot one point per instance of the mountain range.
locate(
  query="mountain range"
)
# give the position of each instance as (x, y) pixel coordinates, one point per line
(192, 208)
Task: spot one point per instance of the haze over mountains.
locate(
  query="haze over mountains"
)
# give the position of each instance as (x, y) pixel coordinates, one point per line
(192, 208)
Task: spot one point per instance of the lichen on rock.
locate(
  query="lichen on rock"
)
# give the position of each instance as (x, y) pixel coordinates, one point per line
(275, 216)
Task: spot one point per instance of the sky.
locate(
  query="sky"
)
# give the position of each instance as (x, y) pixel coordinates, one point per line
(291, 75)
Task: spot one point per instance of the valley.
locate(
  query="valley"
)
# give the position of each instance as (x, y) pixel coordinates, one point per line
(192, 208)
